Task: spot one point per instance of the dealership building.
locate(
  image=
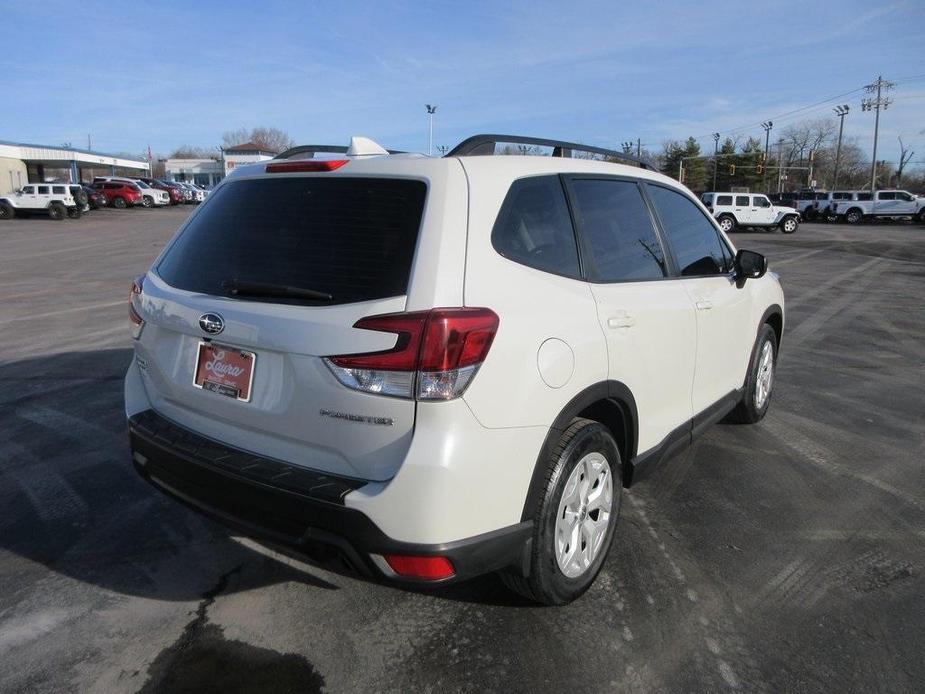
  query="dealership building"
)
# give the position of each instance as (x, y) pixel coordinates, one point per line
(24, 163)
(208, 172)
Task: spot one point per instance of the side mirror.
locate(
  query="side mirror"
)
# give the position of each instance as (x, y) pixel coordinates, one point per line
(749, 266)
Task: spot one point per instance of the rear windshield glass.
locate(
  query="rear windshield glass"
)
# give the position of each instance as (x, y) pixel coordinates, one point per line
(352, 238)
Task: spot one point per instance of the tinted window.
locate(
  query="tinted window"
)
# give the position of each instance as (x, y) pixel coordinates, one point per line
(692, 236)
(57, 190)
(761, 201)
(742, 201)
(353, 238)
(841, 196)
(724, 200)
(534, 227)
(904, 196)
(617, 228)
(863, 196)
(43, 190)
(28, 189)
(886, 196)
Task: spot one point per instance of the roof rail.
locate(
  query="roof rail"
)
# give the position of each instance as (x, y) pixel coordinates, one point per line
(311, 150)
(485, 145)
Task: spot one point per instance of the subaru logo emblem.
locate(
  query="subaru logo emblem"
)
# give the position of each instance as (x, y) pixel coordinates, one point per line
(211, 323)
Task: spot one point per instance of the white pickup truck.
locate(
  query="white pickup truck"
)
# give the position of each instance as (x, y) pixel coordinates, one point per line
(885, 204)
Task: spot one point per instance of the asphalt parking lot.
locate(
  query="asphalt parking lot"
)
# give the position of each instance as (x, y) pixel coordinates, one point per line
(786, 556)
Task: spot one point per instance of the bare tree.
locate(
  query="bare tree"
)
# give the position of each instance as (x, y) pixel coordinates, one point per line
(190, 152)
(268, 138)
(904, 156)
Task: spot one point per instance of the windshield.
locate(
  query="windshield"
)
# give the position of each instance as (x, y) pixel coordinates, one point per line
(352, 238)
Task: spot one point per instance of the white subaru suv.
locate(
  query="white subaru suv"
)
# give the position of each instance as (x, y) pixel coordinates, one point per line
(441, 367)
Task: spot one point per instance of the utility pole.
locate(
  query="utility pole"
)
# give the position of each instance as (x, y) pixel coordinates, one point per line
(767, 125)
(88, 142)
(875, 104)
(841, 112)
(780, 165)
(431, 110)
(715, 161)
(638, 148)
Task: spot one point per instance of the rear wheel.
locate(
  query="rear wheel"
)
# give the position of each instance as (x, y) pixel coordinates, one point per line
(57, 211)
(789, 225)
(6, 211)
(573, 526)
(853, 216)
(760, 380)
(727, 223)
(119, 203)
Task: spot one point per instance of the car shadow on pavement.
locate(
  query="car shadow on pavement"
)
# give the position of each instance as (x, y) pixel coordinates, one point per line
(73, 503)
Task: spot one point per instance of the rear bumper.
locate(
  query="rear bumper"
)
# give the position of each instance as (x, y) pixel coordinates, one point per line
(296, 507)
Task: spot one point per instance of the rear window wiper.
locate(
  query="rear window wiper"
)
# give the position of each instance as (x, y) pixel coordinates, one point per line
(268, 289)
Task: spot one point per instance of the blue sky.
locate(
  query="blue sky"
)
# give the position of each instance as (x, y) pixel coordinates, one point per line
(169, 73)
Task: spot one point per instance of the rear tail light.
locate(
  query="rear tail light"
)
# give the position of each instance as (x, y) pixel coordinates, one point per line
(421, 568)
(137, 322)
(306, 165)
(434, 358)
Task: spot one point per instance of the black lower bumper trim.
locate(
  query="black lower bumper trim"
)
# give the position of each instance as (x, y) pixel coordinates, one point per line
(295, 507)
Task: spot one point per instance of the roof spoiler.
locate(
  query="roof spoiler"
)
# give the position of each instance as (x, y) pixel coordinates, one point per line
(484, 145)
(359, 146)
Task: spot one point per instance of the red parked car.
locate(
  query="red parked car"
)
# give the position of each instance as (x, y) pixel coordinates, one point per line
(176, 195)
(120, 194)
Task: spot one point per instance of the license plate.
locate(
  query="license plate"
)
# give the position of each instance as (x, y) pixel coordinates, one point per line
(225, 370)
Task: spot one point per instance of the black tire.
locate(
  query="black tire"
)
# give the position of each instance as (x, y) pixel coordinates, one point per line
(854, 216)
(920, 217)
(789, 225)
(119, 203)
(547, 583)
(74, 213)
(57, 211)
(147, 201)
(727, 223)
(80, 197)
(749, 411)
(6, 211)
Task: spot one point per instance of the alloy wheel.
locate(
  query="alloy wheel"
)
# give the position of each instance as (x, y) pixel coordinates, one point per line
(585, 512)
(765, 377)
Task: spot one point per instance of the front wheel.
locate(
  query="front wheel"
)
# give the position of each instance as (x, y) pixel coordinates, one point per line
(760, 379)
(74, 213)
(920, 217)
(573, 526)
(6, 211)
(147, 201)
(789, 225)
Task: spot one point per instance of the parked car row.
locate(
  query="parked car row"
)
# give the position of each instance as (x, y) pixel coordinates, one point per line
(60, 200)
(854, 206)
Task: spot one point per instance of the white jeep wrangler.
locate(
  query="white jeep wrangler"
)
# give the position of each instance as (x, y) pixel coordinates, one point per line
(734, 210)
(442, 367)
(53, 199)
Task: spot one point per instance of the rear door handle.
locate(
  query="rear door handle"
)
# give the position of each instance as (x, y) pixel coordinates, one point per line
(704, 305)
(623, 320)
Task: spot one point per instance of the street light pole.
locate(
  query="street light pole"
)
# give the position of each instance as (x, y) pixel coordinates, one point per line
(767, 125)
(431, 110)
(841, 112)
(875, 104)
(715, 162)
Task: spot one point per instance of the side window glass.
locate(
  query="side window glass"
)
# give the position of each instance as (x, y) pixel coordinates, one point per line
(692, 236)
(742, 201)
(534, 228)
(57, 190)
(28, 190)
(43, 190)
(616, 226)
(886, 196)
(724, 200)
